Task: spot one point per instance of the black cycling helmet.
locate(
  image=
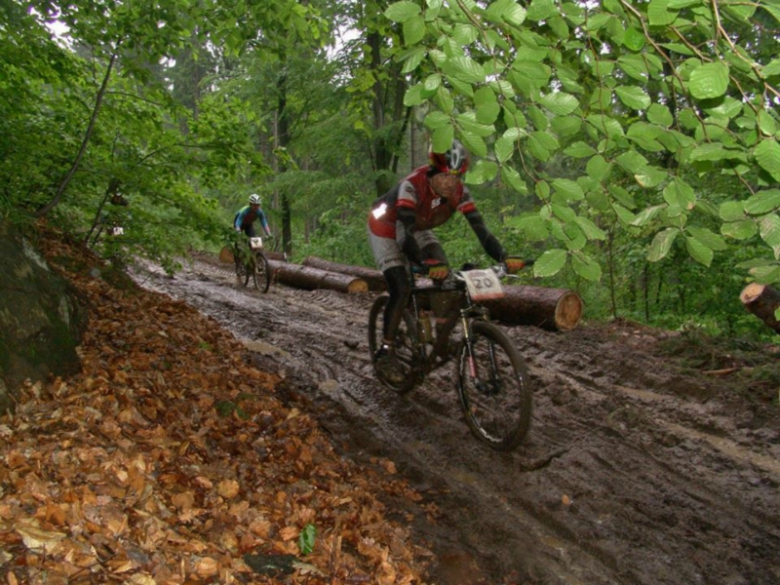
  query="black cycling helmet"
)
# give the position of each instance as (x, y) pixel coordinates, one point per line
(455, 161)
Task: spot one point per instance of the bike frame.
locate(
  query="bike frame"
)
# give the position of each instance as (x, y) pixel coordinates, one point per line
(487, 361)
(467, 311)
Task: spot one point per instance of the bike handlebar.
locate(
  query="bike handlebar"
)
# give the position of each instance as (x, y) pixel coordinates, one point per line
(455, 278)
(499, 269)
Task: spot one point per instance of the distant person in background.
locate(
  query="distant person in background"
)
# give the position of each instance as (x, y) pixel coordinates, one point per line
(247, 216)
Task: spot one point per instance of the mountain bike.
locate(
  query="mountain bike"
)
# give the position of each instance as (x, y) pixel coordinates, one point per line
(494, 387)
(251, 263)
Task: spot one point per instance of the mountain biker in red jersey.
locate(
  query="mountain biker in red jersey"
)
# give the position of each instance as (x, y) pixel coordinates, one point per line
(400, 230)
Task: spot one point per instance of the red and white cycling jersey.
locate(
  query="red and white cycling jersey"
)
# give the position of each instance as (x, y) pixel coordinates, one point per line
(416, 193)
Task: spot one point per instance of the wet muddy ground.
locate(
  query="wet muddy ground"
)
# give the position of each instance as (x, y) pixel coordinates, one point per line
(637, 470)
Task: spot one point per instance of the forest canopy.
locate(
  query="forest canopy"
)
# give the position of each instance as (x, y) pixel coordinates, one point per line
(630, 147)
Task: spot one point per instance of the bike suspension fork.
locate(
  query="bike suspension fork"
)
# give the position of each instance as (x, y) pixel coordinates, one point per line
(469, 341)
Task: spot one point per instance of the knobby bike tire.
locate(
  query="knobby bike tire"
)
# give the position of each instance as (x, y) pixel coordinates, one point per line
(498, 402)
(405, 344)
(242, 274)
(261, 273)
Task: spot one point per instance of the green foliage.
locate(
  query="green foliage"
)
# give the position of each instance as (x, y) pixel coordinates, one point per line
(631, 149)
(307, 539)
(645, 94)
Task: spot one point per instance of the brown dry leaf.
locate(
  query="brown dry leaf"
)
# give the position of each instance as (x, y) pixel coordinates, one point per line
(37, 539)
(289, 533)
(141, 580)
(121, 565)
(183, 500)
(136, 479)
(389, 466)
(307, 569)
(206, 567)
(54, 513)
(228, 488)
(228, 541)
(140, 442)
(386, 573)
(204, 482)
(261, 527)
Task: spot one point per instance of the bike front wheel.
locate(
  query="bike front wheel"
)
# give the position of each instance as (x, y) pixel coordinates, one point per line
(494, 387)
(242, 273)
(262, 273)
(405, 345)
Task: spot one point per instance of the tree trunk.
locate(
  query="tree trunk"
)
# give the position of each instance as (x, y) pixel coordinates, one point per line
(308, 278)
(373, 277)
(762, 300)
(111, 191)
(84, 143)
(282, 141)
(549, 308)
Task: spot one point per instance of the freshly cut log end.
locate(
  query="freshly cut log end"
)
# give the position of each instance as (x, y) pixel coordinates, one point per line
(357, 286)
(752, 292)
(226, 255)
(568, 312)
(549, 308)
(762, 300)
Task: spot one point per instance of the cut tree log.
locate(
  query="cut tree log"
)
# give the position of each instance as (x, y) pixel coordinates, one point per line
(548, 308)
(373, 277)
(226, 255)
(553, 309)
(762, 300)
(309, 278)
(273, 255)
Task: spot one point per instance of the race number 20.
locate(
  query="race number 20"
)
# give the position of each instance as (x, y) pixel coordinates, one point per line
(483, 285)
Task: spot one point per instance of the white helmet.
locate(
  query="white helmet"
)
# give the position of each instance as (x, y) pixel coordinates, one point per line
(254, 199)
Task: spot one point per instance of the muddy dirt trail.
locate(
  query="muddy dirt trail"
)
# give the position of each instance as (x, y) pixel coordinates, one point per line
(635, 472)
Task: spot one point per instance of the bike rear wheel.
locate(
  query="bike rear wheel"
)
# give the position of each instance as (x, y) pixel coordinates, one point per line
(494, 387)
(405, 345)
(262, 273)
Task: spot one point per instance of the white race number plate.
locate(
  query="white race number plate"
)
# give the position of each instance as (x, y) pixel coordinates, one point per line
(483, 285)
(256, 243)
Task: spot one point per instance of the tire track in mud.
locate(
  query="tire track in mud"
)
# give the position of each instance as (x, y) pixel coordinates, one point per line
(686, 494)
(632, 474)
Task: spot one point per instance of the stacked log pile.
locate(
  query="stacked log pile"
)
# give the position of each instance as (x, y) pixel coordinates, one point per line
(549, 308)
